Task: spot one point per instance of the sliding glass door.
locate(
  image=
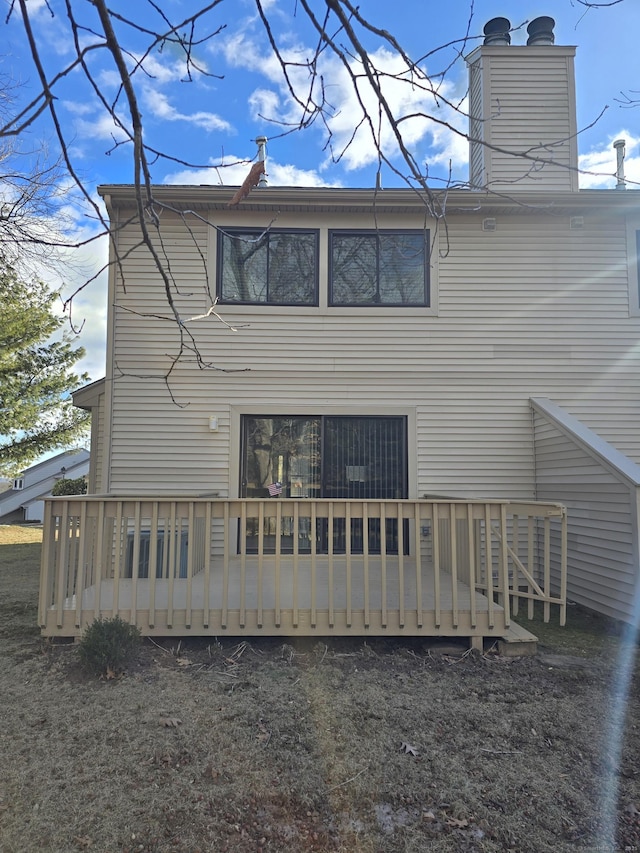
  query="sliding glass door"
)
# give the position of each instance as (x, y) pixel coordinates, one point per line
(325, 457)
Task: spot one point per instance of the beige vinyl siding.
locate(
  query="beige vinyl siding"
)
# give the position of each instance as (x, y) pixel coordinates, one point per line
(602, 519)
(530, 309)
(528, 115)
(476, 126)
(96, 462)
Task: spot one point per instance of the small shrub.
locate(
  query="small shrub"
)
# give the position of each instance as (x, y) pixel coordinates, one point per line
(107, 644)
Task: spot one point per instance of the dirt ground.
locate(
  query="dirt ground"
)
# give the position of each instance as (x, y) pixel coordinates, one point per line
(315, 746)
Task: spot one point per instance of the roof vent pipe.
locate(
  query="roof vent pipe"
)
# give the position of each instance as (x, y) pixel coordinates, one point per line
(619, 145)
(541, 31)
(496, 32)
(261, 142)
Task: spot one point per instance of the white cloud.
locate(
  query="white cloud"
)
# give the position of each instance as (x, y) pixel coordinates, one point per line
(78, 109)
(264, 102)
(278, 175)
(161, 108)
(102, 127)
(598, 166)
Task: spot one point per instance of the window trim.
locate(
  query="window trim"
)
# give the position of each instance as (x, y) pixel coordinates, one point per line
(425, 233)
(258, 232)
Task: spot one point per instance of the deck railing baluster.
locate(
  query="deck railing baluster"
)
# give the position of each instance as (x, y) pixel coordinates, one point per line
(348, 549)
(437, 615)
(488, 547)
(314, 578)
(135, 569)
(453, 548)
(471, 529)
(206, 604)
(547, 568)
(400, 523)
(172, 544)
(417, 549)
(243, 565)
(260, 560)
(331, 531)
(278, 555)
(116, 547)
(63, 540)
(225, 567)
(296, 544)
(365, 566)
(383, 564)
(153, 562)
(504, 565)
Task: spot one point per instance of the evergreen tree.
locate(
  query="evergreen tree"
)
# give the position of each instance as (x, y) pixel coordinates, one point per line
(36, 378)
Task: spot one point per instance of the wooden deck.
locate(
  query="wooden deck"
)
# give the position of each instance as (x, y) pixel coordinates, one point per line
(457, 569)
(282, 598)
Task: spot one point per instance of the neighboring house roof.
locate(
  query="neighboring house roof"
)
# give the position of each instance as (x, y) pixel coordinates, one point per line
(40, 479)
(87, 396)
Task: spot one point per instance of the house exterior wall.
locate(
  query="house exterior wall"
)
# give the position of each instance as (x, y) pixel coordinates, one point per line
(530, 309)
(96, 462)
(602, 503)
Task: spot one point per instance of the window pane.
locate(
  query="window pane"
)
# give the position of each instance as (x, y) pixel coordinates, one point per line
(244, 268)
(402, 279)
(353, 267)
(379, 268)
(277, 267)
(292, 268)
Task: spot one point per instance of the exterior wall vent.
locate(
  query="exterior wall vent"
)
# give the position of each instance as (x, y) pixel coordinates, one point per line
(496, 31)
(489, 224)
(620, 146)
(576, 223)
(261, 142)
(541, 31)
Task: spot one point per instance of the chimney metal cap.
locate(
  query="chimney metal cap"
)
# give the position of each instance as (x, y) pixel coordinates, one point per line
(496, 31)
(541, 31)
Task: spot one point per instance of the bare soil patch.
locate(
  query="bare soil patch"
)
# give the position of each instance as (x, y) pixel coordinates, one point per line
(353, 746)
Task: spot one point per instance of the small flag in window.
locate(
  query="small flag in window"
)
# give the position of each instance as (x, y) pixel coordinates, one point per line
(275, 489)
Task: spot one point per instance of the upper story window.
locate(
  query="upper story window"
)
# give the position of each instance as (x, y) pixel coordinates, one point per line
(379, 268)
(273, 267)
(18, 483)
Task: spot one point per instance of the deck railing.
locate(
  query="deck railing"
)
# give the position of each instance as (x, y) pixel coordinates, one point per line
(282, 566)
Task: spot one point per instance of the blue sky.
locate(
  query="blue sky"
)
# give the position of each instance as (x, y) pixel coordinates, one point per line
(215, 118)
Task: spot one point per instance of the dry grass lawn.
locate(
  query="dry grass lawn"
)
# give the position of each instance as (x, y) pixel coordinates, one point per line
(353, 746)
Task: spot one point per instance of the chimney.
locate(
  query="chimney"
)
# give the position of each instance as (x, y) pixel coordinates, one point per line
(522, 111)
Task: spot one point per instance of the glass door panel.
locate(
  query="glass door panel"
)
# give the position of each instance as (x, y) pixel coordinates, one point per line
(364, 457)
(329, 457)
(281, 457)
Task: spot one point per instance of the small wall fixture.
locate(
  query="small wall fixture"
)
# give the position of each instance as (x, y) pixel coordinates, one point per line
(213, 423)
(489, 224)
(576, 222)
